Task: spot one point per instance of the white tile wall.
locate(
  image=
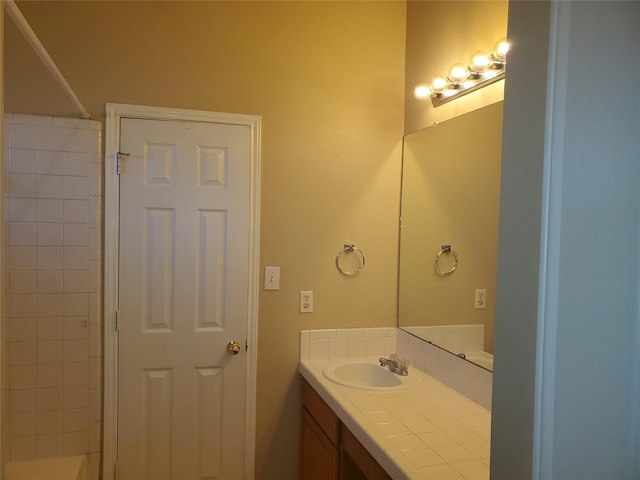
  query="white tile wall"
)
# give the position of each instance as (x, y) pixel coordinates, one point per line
(53, 198)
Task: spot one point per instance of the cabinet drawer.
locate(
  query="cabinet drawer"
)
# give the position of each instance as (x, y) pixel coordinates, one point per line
(319, 410)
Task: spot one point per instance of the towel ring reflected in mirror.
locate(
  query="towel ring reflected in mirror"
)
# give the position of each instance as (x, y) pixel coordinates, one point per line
(450, 251)
(350, 248)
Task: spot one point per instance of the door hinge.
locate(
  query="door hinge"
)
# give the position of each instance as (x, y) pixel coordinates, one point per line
(117, 322)
(119, 155)
(246, 345)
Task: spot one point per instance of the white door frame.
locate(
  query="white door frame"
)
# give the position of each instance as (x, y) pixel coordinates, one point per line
(114, 113)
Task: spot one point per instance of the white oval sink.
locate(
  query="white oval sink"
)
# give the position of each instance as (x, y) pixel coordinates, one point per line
(369, 375)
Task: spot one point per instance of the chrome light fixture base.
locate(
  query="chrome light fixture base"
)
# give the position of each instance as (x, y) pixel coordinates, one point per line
(471, 85)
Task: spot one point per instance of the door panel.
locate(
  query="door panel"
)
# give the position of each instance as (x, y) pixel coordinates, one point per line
(183, 295)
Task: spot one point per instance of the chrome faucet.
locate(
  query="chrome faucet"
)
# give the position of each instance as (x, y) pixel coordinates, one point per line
(397, 365)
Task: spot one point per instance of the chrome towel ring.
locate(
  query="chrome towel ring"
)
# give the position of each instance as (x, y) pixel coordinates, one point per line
(349, 248)
(446, 249)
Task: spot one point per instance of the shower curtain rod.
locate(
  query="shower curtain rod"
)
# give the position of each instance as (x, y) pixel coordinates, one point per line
(22, 24)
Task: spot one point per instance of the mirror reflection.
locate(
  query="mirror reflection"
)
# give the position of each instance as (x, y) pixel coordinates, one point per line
(450, 199)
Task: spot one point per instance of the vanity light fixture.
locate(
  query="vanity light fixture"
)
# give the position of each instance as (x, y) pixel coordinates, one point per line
(483, 69)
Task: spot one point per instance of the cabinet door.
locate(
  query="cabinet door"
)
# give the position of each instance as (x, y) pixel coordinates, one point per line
(358, 464)
(319, 457)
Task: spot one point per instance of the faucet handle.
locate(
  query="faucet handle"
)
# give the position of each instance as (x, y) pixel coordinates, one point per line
(403, 364)
(393, 356)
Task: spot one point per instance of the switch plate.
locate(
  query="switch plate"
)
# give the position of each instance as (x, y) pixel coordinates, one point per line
(306, 301)
(481, 298)
(272, 278)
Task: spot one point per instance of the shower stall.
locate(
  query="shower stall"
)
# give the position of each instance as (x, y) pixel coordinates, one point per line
(52, 287)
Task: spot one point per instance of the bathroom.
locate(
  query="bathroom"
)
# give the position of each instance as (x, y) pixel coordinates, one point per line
(329, 81)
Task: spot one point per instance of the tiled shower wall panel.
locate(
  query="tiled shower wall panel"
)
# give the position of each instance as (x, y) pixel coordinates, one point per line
(53, 286)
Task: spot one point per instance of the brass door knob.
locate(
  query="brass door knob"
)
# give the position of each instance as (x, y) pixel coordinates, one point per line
(233, 347)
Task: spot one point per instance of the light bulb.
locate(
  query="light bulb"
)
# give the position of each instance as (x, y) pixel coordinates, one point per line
(458, 73)
(500, 50)
(422, 91)
(438, 85)
(480, 62)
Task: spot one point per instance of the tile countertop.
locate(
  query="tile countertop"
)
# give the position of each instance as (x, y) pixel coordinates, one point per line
(426, 432)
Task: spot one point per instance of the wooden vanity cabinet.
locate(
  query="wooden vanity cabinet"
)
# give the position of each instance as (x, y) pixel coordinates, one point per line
(319, 438)
(328, 450)
(357, 462)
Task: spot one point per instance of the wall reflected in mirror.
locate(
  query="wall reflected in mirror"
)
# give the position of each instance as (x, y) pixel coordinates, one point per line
(451, 196)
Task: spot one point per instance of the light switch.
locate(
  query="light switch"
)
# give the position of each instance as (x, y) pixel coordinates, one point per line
(272, 278)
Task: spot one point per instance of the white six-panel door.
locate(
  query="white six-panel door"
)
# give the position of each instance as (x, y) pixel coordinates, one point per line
(183, 296)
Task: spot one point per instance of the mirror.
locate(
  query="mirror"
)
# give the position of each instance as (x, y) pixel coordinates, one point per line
(451, 197)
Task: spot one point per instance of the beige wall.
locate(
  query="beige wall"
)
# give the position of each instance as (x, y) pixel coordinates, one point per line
(327, 79)
(440, 34)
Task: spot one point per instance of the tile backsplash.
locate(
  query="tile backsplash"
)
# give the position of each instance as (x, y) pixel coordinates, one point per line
(52, 286)
(455, 338)
(470, 380)
(334, 344)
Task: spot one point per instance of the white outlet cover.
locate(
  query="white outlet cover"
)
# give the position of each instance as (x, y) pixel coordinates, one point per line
(306, 301)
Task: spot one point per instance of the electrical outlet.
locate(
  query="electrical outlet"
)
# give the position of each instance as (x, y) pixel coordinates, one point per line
(481, 298)
(306, 301)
